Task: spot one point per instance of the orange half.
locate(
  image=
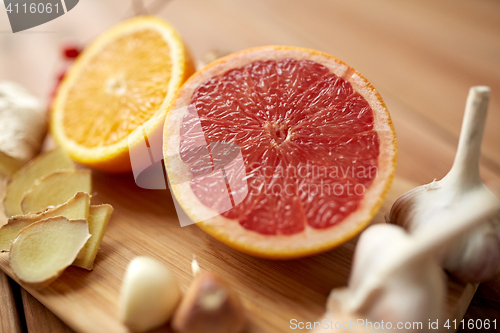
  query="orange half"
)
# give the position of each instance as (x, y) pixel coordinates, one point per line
(123, 79)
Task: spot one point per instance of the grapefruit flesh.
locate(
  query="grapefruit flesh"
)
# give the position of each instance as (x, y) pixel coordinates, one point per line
(316, 140)
(287, 116)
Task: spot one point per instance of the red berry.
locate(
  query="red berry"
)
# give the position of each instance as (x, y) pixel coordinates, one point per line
(71, 52)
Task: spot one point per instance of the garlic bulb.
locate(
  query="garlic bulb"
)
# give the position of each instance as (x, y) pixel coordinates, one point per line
(396, 276)
(476, 257)
(388, 283)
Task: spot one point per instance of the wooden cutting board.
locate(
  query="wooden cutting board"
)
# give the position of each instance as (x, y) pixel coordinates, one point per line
(145, 223)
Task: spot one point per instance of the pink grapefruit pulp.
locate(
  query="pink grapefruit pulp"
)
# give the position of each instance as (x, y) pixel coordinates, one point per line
(287, 151)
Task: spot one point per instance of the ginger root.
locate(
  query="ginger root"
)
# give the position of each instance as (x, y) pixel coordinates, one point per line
(23, 126)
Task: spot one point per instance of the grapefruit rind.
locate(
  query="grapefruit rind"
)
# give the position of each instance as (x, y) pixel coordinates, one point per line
(310, 241)
(115, 157)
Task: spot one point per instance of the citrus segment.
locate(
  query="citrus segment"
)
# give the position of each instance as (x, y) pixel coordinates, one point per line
(124, 91)
(124, 79)
(316, 140)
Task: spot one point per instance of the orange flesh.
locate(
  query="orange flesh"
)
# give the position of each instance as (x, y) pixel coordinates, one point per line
(306, 137)
(120, 88)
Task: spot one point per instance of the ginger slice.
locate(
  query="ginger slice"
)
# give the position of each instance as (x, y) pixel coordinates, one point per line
(98, 221)
(55, 189)
(76, 208)
(9, 165)
(24, 178)
(43, 250)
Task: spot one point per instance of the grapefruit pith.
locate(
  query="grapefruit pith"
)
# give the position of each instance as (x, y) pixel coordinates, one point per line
(279, 152)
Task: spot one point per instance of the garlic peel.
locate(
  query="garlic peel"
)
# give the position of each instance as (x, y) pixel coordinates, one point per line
(483, 242)
(434, 185)
(388, 282)
(209, 306)
(149, 295)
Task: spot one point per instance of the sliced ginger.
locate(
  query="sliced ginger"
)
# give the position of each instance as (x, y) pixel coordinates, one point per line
(8, 164)
(76, 208)
(24, 178)
(98, 221)
(55, 189)
(59, 227)
(43, 250)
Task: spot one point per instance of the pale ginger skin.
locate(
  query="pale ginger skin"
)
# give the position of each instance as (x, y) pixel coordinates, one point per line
(23, 126)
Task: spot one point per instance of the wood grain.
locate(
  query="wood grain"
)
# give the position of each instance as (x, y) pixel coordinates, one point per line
(38, 318)
(145, 223)
(486, 303)
(9, 316)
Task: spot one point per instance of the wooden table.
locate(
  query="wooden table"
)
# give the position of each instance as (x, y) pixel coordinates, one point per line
(421, 55)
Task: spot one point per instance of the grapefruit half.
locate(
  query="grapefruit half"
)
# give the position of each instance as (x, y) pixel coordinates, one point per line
(279, 152)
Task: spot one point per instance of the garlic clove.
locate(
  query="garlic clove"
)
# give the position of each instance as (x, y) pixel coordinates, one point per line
(476, 258)
(209, 306)
(149, 295)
